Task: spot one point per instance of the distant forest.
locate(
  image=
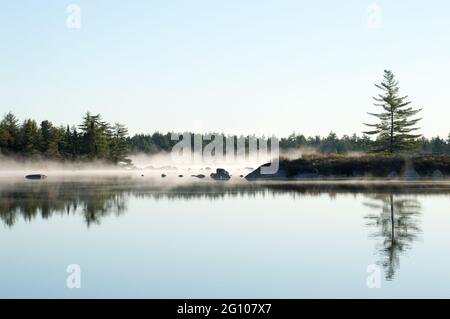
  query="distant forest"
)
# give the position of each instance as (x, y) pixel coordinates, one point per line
(99, 140)
(156, 142)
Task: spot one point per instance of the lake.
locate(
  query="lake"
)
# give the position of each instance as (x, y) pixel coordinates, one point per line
(145, 237)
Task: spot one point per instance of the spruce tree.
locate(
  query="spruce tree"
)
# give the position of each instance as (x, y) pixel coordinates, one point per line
(119, 144)
(29, 138)
(96, 136)
(75, 142)
(395, 129)
(9, 132)
(46, 135)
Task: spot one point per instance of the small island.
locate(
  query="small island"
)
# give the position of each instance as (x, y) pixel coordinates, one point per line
(394, 153)
(358, 167)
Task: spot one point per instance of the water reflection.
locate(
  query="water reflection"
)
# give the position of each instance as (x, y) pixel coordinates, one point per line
(397, 225)
(108, 196)
(394, 222)
(47, 199)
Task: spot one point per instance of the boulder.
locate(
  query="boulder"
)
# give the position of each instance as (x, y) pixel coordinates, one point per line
(36, 176)
(220, 175)
(257, 174)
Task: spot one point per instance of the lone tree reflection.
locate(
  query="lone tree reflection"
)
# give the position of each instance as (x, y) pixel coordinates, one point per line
(397, 227)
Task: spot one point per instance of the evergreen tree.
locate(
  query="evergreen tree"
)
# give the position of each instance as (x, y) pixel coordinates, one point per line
(96, 136)
(75, 144)
(331, 144)
(9, 132)
(29, 137)
(438, 145)
(46, 135)
(395, 128)
(119, 144)
(3, 138)
(65, 145)
(51, 140)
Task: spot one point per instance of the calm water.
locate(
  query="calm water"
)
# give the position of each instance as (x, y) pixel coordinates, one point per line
(222, 240)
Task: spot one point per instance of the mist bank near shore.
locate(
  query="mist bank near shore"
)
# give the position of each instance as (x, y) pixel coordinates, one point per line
(307, 166)
(160, 161)
(154, 168)
(13, 163)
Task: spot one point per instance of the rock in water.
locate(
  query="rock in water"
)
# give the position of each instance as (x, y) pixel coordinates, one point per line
(220, 175)
(36, 176)
(282, 173)
(199, 176)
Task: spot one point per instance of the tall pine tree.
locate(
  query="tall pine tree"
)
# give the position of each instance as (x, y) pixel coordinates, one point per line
(395, 129)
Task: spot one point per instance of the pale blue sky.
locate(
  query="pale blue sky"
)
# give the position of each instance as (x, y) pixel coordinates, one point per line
(233, 65)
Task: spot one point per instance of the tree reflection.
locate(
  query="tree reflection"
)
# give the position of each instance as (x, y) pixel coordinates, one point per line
(102, 197)
(397, 227)
(45, 200)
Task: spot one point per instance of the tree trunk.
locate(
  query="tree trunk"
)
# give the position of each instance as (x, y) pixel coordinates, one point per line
(392, 218)
(391, 144)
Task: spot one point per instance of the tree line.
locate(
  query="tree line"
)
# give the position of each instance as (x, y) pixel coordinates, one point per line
(396, 131)
(93, 139)
(332, 143)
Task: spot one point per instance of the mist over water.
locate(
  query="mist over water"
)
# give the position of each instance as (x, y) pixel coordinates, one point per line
(142, 164)
(166, 160)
